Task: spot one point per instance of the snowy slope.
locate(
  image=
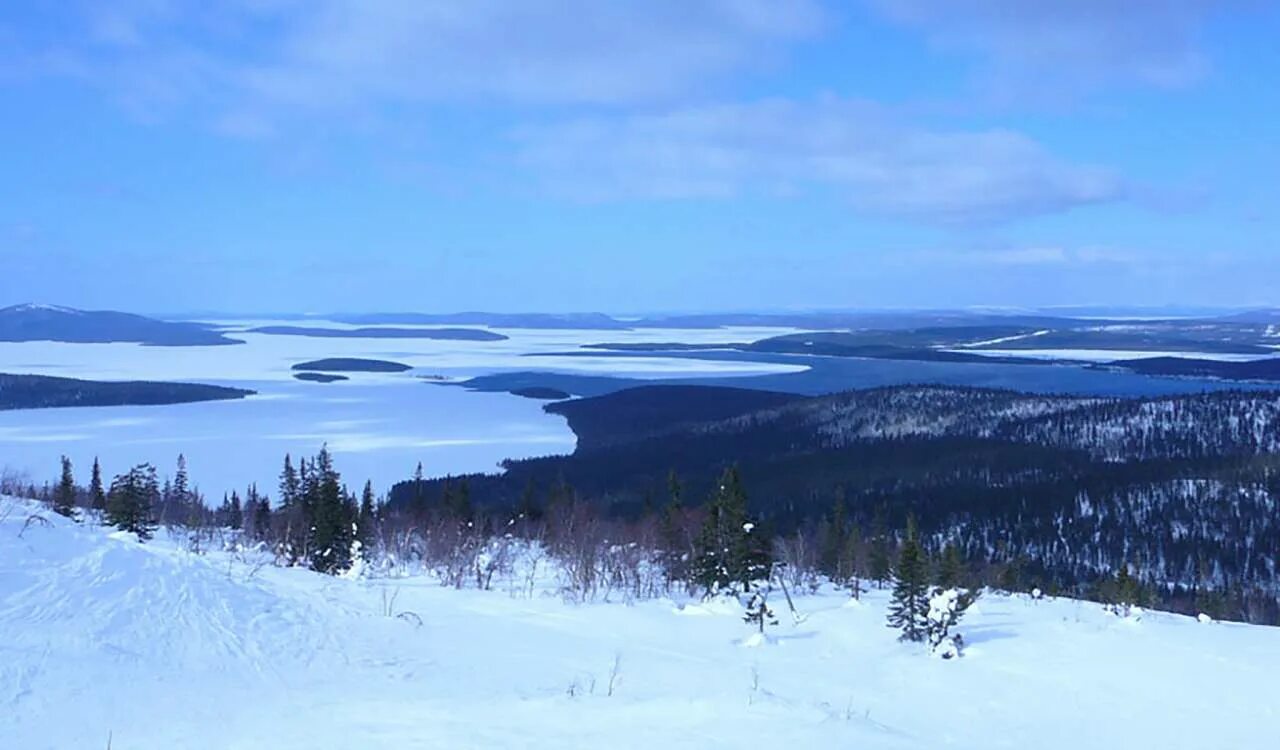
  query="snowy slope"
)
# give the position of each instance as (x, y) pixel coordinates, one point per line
(160, 648)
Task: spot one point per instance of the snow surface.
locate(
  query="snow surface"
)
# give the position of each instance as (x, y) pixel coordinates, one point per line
(1004, 339)
(155, 647)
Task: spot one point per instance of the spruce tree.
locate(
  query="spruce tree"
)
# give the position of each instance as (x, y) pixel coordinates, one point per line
(181, 490)
(131, 501)
(331, 531)
(419, 497)
(909, 607)
(851, 568)
(670, 536)
(97, 495)
(64, 496)
(294, 523)
(366, 521)
(731, 551)
(951, 572)
(879, 565)
(262, 518)
(758, 612)
(528, 510)
(946, 608)
(457, 502)
(833, 542)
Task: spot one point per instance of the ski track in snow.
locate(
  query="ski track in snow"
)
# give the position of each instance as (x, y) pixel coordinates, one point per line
(160, 648)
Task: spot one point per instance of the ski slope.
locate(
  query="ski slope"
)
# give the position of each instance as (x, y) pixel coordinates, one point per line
(156, 647)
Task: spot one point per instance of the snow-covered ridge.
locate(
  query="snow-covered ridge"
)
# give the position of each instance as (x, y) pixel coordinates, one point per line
(156, 647)
(41, 307)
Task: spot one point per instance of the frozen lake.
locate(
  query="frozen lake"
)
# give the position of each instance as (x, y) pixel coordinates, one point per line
(378, 426)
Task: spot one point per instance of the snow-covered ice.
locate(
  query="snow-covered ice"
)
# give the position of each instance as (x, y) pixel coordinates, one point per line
(379, 426)
(158, 648)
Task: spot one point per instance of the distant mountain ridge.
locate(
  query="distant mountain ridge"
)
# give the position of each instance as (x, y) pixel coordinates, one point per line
(571, 321)
(39, 322)
(443, 334)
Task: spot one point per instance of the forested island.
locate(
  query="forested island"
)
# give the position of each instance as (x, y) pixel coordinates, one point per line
(351, 364)
(43, 392)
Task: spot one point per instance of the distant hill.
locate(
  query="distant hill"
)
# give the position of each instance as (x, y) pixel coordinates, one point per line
(34, 322)
(43, 392)
(1262, 317)
(446, 334)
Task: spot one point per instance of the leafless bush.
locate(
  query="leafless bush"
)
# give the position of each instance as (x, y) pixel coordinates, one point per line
(615, 672)
(35, 519)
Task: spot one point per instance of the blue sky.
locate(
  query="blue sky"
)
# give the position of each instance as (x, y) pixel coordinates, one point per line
(315, 155)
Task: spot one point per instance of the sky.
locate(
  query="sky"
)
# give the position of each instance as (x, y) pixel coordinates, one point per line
(666, 155)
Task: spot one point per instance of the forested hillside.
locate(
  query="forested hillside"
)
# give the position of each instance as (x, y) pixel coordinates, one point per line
(1058, 492)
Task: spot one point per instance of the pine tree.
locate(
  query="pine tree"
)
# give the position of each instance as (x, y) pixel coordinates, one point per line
(64, 497)
(97, 495)
(235, 518)
(131, 501)
(909, 607)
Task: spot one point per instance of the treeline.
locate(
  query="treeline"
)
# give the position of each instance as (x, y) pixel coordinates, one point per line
(682, 542)
(317, 520)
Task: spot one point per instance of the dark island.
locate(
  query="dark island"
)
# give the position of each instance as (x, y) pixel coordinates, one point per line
(442, 334)
(351, 364)
(543, 393)
(319, 377)
(44, 392)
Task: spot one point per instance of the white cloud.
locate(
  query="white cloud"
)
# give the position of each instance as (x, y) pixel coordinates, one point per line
(241, 63)
(1051, 47)
(784, 147)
